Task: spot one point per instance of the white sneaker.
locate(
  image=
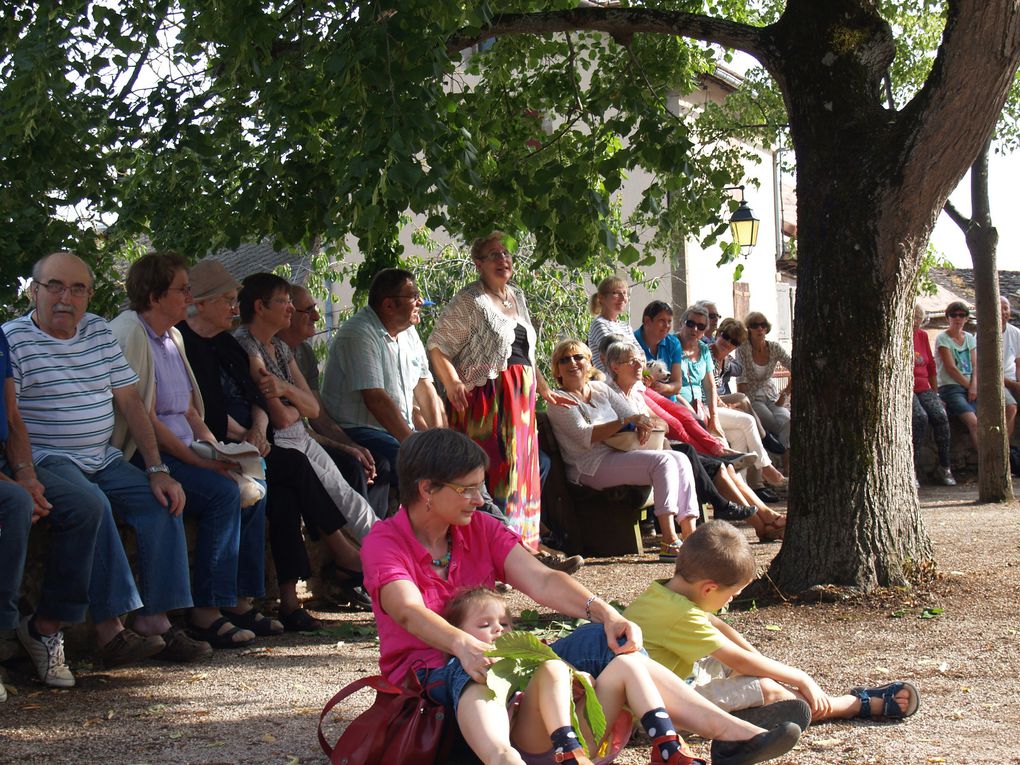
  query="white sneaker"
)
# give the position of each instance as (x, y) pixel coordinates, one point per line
(47, 653)
(946, 476)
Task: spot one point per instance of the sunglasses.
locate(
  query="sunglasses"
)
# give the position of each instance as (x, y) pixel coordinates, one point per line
(728, 339)
(713, 316)
(691, 324)
(758, 325)
(959, 315)
(577, 358)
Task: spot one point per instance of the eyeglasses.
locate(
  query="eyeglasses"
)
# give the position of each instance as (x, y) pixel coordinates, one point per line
(414, 297)
(231, 302)
(728, 339)
(713, 316)
(282, 300)
(311, 310)
(497, 255)
(185, 290)
(55, 287)
(471, 492)
(953, 315)
(758, 325)
(691, 324)
(577, 358)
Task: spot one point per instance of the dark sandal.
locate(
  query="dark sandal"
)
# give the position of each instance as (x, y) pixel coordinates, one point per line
(772, 532)
(887, 693)
(212, 636)
(300, 620)
(255, 621)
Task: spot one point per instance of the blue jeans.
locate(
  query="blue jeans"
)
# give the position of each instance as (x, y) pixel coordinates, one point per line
(586, 649)
(380, 443)
(162, 553)
(955, 398)
(215, 501)
(15, 522)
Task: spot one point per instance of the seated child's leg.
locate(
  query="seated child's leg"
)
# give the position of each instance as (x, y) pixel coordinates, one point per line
(544, 712)
(486, 727)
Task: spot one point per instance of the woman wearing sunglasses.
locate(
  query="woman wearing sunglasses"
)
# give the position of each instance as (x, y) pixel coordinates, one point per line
(956, 368)
(758, 360)
(699, 389)
(599, 412)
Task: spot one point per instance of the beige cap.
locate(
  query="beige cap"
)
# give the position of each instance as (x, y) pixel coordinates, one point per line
(209, 278)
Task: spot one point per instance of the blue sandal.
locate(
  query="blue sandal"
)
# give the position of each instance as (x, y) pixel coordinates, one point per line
(887, 693)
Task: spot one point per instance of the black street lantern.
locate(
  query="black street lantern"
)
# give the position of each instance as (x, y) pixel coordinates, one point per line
(743, 224)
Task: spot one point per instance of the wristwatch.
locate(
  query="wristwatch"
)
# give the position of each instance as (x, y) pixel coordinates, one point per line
(160, 468)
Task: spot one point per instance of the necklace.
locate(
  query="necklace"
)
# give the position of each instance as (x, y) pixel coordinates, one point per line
(506, 298)
(445, 560)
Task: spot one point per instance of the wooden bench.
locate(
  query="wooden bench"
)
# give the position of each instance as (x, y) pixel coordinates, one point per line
(590, 522)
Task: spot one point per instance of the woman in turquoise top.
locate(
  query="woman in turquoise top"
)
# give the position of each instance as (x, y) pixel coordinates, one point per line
(956, 368)
(698, 382)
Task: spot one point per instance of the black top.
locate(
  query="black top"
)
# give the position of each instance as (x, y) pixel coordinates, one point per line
(519, 348)
(223, 374)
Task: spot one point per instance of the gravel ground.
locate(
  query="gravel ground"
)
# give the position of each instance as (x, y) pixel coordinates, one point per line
(260, 705)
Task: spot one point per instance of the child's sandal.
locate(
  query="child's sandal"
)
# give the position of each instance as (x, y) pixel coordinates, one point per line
(887, 693)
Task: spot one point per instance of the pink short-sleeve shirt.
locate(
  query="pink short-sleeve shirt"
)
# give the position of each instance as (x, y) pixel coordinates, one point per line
(391, 552)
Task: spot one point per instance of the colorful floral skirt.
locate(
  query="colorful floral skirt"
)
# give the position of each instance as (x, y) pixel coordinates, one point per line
(500, 417)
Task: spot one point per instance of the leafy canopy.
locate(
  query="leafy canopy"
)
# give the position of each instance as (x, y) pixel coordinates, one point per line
(204, 123)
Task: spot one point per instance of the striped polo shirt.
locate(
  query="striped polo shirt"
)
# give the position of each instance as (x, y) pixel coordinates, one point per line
(65, 389)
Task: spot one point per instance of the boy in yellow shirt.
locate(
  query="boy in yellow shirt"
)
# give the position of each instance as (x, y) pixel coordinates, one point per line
(682, 632)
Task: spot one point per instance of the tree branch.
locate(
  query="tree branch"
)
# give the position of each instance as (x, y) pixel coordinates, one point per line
(618, 22)
(956, 216)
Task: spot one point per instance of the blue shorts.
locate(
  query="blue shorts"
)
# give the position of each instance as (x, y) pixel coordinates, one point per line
(955, 398)
(586, 649)
(444, 685)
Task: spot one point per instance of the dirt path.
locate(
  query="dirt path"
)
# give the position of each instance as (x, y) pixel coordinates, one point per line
(260, 706)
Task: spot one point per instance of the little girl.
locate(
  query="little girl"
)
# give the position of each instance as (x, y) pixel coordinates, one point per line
(540, 726)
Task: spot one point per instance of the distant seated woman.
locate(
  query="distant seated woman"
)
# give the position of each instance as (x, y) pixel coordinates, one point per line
(927, 406)
(758, 360)
(601, 413)
(956, 368)
(727, 492)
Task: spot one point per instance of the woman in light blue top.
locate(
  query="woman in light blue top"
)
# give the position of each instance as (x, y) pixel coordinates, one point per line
(956, 368)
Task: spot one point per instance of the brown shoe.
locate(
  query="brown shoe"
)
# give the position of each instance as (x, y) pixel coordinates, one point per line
(182, 648)
(566, 565)
(128, 647)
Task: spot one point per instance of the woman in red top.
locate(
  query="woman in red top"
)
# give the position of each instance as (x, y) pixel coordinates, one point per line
(928, 406)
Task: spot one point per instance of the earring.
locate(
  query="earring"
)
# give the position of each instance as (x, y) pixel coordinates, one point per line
(428, 504)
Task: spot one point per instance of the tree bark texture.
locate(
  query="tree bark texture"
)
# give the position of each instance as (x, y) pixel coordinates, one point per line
(995, 483)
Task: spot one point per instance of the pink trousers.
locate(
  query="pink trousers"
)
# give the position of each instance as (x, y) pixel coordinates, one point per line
(669, 474)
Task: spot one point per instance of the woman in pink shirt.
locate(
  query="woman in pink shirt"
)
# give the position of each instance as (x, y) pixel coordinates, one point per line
(435, 546)
(928, 406)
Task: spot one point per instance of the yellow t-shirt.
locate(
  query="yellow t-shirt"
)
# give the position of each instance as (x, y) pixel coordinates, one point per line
(676, 632)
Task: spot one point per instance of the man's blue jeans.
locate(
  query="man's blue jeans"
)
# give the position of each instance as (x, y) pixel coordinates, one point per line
(162, 552)
(15, 523)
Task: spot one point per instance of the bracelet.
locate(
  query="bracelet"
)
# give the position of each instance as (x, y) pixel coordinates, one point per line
(587, 606)
(21, 466)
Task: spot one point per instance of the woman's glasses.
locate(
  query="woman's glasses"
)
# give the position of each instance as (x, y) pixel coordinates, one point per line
(577, 358)
(691, 324)
(471, 492)
(959, 315)
(728, 339)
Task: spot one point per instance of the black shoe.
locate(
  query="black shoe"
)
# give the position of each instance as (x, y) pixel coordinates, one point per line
(773, 444)
(350, 583)
(731, 511)
(769, 716)
(764, 746)
(765, 494)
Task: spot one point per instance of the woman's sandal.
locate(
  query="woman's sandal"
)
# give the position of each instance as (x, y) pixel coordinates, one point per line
(255, 621)
(887, 693)
(212, 636)
(299, 620)
(773, 530)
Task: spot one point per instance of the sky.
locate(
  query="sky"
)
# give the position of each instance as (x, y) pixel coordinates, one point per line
(948, 237)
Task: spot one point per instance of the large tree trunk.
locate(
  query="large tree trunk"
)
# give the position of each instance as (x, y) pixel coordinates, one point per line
(864, 216)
